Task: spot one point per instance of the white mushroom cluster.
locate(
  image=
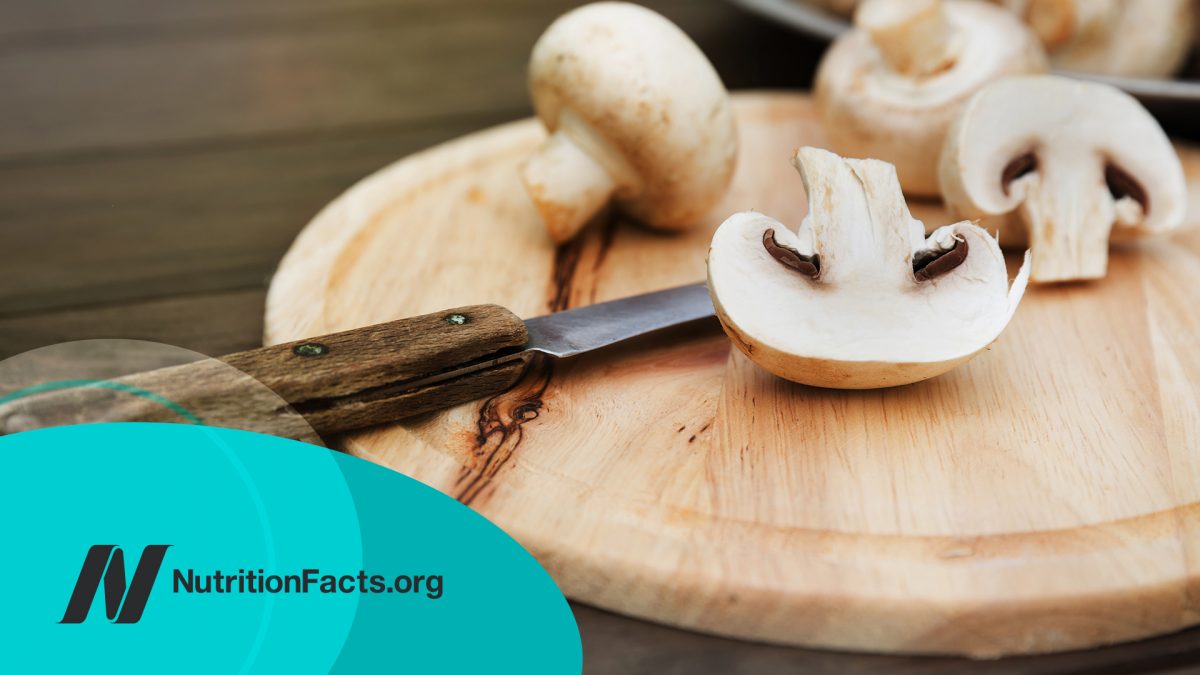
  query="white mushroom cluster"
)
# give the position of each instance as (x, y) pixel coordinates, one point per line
(953, 93)
(934, 98)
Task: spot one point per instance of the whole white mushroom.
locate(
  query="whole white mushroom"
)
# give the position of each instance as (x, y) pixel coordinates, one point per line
(636, 115)
(889, 88)
(1130, 38)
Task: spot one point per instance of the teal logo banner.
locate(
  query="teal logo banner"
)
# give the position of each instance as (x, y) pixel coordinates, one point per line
(181, 548)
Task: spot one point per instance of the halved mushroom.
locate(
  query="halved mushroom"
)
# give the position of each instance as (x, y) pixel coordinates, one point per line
(890, 88)
(1130, 38)
(1062, 166)
(636, 114)
(859, 298)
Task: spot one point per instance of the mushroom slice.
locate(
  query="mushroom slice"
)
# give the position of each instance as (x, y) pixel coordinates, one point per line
(889, 89)
(859, 298)
(1061, 166)
(636, 114)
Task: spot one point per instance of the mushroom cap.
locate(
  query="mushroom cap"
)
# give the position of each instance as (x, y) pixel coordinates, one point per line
(865, 320)
(1081, 136)
(1149, 38)
(870, 110)
(1127, 38)
(633, 90)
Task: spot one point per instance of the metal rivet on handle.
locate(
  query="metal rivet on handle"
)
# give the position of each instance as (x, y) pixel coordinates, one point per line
(310, 349)
(456, 319)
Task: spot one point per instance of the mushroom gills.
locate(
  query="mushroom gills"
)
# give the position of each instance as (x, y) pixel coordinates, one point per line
(1022, 165)
(932, 262)
(808, 265)
(1132, 199)
(927, 263)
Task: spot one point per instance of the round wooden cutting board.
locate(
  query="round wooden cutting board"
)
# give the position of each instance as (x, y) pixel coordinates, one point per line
(1045, 496)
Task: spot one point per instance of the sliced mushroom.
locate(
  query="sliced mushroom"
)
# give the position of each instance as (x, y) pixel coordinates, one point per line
(890, 88)
(1130, 38)
(1062, 166)
(636, 113)
(859, 298)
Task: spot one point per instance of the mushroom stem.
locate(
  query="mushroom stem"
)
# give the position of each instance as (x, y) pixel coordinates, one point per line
(915, 37)
(861, 228)
(1057, 22)
(567, 185)
(1068, 214)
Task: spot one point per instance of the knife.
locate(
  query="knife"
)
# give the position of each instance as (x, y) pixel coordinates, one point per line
(363, 377)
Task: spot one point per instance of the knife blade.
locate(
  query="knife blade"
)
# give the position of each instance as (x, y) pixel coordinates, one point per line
(578, 331)
(366, 376)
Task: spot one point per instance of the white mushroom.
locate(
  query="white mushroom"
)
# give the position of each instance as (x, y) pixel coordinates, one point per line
(1062, 165)
(859, 298)
(889, 88)
(636, 114)
(1131, 38)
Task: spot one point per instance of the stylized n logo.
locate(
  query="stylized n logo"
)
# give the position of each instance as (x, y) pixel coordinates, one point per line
(122, 604)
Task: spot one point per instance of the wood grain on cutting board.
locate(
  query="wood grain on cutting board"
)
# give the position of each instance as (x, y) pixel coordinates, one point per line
(1045, 496)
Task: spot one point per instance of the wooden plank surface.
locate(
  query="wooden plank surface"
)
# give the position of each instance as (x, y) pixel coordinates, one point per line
(209, 323)
(296, 74)
(122, 119)
(209, 144)
(145, 224)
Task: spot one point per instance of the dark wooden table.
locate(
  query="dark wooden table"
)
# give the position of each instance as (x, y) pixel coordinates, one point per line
(158, 156)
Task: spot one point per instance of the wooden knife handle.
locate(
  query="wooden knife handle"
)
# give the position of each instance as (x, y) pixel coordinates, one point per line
(339, 382)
